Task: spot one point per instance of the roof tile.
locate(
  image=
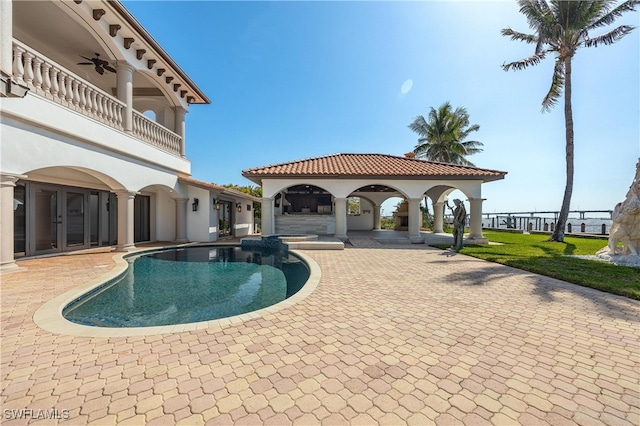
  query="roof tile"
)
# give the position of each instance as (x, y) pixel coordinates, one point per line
(371, 165)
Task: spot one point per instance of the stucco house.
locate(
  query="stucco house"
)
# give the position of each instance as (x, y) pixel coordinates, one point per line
(311, 195)
(92, 127)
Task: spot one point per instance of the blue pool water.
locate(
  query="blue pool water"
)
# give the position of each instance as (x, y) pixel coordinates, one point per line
(191, 284)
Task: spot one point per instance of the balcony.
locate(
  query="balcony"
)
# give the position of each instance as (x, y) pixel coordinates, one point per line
(48, 79)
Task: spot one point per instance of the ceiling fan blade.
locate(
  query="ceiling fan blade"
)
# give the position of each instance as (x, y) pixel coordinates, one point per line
(85, 63)
(109, 68)
(84, 57)
(99, 70)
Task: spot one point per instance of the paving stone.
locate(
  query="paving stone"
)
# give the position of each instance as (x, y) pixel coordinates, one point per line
(410, 352)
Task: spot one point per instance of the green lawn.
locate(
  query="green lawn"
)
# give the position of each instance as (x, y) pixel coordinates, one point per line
(533, 253)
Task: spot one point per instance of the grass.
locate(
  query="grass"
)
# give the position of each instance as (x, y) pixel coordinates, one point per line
(533, 253)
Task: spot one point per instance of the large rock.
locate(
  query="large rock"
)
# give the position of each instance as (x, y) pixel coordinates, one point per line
(625, 228)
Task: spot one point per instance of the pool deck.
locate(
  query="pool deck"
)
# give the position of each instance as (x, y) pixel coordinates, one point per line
(393, 334)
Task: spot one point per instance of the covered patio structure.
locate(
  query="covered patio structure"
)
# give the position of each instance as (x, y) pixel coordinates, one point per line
(311, 195)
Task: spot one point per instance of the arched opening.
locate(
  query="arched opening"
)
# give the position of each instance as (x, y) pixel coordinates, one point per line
(304, 209)
(62, 209)
(150, 114)
(303, 199)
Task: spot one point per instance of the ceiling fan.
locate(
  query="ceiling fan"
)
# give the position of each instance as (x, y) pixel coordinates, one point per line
(99, 64)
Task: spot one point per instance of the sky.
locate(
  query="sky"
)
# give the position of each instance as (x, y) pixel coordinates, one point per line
(292, 80)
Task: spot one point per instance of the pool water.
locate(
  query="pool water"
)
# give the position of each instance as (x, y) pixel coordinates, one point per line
(191, 284)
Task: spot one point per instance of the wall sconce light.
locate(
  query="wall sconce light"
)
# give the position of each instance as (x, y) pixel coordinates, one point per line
(239, 207)
(216, 204)
(194, 205)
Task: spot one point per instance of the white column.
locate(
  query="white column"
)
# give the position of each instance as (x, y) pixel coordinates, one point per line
(125, 220)
(181, 219)
(475, 221)
(414, 220)
(267, 216)
(125, 93)
(438, 213)
(6, 39)
(376, 217)
(179, 127)
(7, 184)
(341, 218)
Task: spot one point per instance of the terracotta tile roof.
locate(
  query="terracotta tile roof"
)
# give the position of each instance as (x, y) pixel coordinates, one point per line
(371, 165)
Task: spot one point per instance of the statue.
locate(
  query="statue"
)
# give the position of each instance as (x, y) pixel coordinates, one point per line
(459, 220)
(625, 228)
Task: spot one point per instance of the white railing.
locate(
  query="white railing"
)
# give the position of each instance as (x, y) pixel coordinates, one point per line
(155, 134)
(50, 80)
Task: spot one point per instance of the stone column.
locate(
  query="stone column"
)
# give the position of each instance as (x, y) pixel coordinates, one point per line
(341, 218)
(267, 216)
(6, 39)
(438, 213)
(181, 220)
(125, 93)
(179, 127)
(475, 222)
(414, 220)
(376, 217)
(125, 220)
(7, 183)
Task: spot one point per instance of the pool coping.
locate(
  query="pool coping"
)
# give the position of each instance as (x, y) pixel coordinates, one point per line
(49, 316)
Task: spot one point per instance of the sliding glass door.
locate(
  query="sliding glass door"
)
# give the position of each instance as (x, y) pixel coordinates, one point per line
(47, 219)
(60, 218)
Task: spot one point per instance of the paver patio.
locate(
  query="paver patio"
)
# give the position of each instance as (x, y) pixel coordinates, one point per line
(393, 335)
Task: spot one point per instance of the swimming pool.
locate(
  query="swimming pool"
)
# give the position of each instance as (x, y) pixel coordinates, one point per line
(190, 285)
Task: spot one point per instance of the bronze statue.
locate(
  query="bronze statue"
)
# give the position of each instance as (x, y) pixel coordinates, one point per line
(459, 220)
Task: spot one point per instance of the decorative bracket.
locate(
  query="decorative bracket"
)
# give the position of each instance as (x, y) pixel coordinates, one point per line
(113, 29)
(98, 13)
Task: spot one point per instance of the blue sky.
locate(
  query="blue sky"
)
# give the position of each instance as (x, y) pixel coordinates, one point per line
(293, 80)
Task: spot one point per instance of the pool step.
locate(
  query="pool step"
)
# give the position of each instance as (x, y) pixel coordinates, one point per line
(111, 321)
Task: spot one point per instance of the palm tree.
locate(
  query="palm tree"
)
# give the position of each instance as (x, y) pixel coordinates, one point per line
(442, 136)
(560, 28)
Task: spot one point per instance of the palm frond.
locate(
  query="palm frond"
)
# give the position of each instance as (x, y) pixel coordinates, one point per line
(518, 36)
(610, 17)
(557, 83)
(419, 125)
(524, 63)
(610, 37)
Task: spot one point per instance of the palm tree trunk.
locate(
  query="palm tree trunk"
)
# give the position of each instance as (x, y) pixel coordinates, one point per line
(558, 233)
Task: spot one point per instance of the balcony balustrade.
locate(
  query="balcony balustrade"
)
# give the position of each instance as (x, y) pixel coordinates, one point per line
(52, 81)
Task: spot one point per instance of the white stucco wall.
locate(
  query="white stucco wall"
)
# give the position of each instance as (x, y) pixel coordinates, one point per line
(244, 219)
(341, 188)
(198, 221)
(165, 213)
(37, 133)
(363, 221)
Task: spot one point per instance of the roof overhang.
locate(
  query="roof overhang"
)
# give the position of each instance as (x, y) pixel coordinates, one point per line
(220, 189)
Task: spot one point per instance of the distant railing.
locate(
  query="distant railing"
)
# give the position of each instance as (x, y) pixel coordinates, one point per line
(50, 80)
(546, 221)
